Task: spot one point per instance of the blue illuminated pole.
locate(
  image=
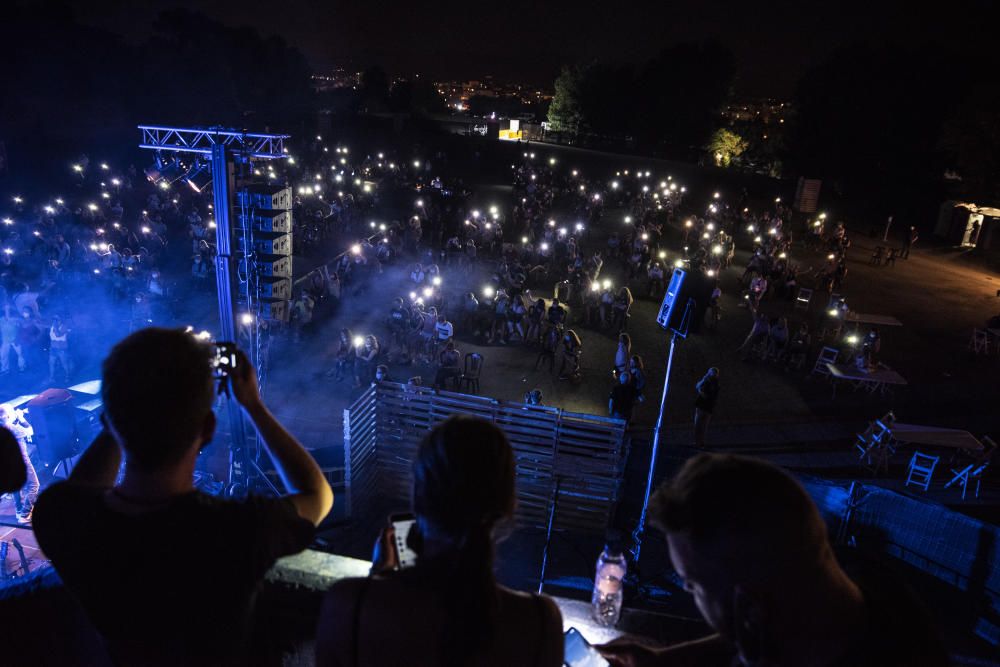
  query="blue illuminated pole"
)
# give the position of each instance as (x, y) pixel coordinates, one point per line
(641, 528)
(224, 281)
(681, 331)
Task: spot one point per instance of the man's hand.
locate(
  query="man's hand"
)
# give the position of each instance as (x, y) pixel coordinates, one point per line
(242, 382)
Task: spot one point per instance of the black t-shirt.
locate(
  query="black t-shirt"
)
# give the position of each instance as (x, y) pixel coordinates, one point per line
(708, 394)
(177, 579)
(623, 400)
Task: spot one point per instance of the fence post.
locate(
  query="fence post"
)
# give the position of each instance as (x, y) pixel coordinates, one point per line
(348, 469)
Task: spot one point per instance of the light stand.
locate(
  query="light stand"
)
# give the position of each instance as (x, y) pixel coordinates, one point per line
(637, 534)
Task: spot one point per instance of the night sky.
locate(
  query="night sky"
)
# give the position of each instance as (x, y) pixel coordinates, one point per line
(774, 41)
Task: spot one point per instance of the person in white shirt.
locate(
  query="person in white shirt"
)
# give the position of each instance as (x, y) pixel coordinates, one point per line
(443, 329)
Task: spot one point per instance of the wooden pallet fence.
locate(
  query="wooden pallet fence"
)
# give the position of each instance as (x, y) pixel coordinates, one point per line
(585, 453)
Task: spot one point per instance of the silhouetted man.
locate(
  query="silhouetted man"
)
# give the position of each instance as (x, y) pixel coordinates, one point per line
(167, 574)
(752, 549)
(704, 404)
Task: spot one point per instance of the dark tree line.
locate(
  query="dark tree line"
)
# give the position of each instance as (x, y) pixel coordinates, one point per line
(668, 104)
(883, 123)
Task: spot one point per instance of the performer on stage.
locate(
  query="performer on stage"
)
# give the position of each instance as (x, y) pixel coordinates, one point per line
(24, 499)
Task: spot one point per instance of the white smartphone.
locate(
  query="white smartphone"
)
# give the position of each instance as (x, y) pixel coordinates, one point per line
(402, 523)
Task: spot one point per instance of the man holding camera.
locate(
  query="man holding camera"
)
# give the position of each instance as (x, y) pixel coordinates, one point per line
(167, 574)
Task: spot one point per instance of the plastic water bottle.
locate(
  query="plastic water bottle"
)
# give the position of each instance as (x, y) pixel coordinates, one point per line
(607, 598)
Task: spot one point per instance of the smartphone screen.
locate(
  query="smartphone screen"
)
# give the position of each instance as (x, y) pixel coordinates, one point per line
(402, 523)
(224, 360)
(579, 653)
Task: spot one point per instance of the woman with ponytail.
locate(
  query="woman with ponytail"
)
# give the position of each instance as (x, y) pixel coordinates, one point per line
(448, 609)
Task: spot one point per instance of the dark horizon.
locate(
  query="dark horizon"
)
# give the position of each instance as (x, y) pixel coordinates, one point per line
(524, 42)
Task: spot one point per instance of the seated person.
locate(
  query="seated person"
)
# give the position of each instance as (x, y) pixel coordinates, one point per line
(119, 547)
(447, 609)
(448, 365)
(750, 545)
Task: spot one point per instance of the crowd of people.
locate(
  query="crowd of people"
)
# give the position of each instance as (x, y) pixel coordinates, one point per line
(533, 276)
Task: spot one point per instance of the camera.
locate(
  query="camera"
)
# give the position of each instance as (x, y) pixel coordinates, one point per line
(223, 359)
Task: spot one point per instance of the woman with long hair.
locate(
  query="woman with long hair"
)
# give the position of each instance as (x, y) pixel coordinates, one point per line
(344, 356)
(364, 364)
(622, 305)
(447, 609)
(572, 349)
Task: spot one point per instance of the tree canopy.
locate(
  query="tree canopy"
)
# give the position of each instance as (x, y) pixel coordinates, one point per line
(669, 103)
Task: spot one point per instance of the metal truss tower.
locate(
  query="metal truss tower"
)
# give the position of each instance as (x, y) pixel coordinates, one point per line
(226, 147)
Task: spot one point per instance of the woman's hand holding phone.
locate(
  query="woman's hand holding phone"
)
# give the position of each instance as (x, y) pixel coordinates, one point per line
(384, 556)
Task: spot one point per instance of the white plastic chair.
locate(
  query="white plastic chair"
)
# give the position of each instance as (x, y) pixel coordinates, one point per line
(980, 341)
(828, 355)
(921, 470)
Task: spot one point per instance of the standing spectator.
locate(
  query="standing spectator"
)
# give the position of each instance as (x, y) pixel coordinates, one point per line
(399, 317)
(655, 280)
(556, 314)
(637, 370)
(623, 397)
(535, 315)
(550, 342)
(161, 418)
(757, 338)
(704, 404)
(622, 306)
(9, 328)
(777, 338)
(29, 336)
(24, 498)
(572, 349)
(623, 354)
(59, 349)
(515, 317)
(345, 355)
(447, 609)
(364, 364)
(911, 237)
